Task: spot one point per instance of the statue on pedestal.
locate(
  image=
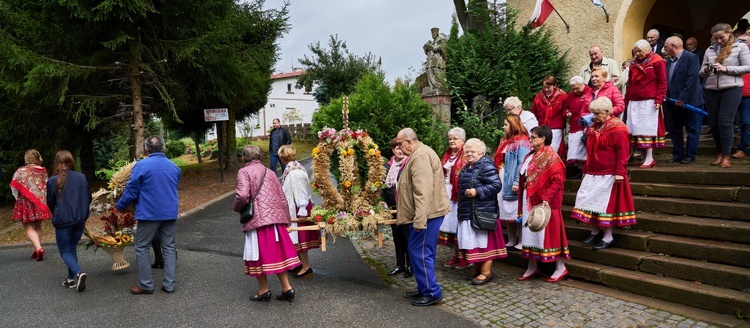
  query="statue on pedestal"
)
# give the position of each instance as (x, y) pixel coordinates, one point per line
(433, 82)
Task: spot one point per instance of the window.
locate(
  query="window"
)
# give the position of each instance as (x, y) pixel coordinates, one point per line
(289, 88)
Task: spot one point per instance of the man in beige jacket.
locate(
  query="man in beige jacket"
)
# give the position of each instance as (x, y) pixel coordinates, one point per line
(422, 204)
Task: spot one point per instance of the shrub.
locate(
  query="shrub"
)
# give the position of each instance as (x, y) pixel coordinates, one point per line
(175, 148)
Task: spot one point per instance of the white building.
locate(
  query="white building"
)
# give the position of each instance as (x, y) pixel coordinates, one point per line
(285, 102)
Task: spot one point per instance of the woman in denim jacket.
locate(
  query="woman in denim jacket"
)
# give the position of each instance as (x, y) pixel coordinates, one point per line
(510, 154)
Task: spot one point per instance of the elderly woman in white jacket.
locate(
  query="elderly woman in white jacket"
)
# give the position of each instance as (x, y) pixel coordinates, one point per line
(298, 194)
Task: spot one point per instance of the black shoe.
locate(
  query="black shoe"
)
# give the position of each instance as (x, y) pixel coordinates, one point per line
(687, 160)
(395, 271)
(592, 238)
(265, 297)
(408, 273)
(295, 270)
(413, 295)
(286, 296)
(674, 160)
(426, 301)
(158, 265)
(80, 282)
(69, 284)
(604, 244)
(304, 275)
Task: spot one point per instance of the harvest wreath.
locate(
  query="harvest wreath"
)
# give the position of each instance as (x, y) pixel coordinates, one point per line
(108, 228)
(355, 205)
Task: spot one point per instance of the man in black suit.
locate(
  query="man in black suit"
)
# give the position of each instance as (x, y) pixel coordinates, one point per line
(653, 39)
(683, 85)
(691, 45)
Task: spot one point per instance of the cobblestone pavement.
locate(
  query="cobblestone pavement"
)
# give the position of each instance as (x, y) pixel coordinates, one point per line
(506, 302)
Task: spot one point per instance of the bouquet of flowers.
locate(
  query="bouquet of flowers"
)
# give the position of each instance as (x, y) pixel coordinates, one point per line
(118, 230)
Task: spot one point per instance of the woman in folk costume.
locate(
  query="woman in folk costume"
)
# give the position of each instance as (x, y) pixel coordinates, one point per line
(390, 194)
(508, 159)
(453, 161)
(29, 187)
(296, 185)
(604, 200)
(268, 248)
(542, 181)
(548, 107)
(647, 87)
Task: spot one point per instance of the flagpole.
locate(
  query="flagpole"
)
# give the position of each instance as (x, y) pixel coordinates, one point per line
(567, 27)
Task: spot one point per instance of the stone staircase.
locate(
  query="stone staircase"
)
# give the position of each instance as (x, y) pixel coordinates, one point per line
(692, 242)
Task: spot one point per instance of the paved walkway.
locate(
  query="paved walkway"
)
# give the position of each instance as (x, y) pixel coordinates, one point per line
(506, 302)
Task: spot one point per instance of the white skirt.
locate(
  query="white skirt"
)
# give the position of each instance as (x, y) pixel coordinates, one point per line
(643, 119)
(557, 137)
(450, 222)
(508, 208)
(576, 146)
(529, 238)
(470, 238)
(594, 192)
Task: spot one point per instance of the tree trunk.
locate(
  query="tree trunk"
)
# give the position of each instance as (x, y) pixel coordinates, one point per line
(196, 138)
(469, 16)
(88, 168)
(135, 88)
(231, 142)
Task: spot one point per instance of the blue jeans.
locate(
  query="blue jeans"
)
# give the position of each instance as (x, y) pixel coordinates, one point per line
(744, 110)
(143, 237)
(67, 243)
(275, 159)
(422, 251)
(676, 118)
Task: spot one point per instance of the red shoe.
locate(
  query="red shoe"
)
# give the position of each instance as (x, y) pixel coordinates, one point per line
(648, 166)
(34, 255)
(563, 275)
(40, 254)
(451, 263)
(524, 278)
(463, 264)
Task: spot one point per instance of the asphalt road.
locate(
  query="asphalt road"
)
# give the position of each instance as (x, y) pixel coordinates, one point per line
(212, 290)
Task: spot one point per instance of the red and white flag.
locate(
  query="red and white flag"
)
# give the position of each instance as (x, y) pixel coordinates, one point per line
(542, 10)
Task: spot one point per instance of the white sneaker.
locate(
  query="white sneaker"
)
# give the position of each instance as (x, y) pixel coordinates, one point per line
(81, 282)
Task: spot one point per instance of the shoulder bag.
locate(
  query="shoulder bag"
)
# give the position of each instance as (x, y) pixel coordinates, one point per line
(248, 211)
(480, 220)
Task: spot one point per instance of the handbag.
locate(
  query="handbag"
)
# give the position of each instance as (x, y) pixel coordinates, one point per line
(247, 212)
(480, 220)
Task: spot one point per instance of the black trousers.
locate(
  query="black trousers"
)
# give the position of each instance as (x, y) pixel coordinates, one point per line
(721, 106)
(401, 243)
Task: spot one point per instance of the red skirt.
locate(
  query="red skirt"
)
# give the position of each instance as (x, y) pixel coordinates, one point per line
(447, 239)
(555, 241)
(620, 209)
(647, 142)
(275, 256)
(495, 247)
(26, 211)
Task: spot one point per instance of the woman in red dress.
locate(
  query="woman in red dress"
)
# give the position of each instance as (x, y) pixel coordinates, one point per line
(542, 181)
(29, 187)
(548, 107)
(647, 87)
(604, 200)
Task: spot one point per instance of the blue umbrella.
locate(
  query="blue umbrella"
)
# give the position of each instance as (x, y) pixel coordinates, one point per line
(586, 120)
(690, 107)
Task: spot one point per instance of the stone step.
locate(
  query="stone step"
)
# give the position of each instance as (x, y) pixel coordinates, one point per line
(737, 175)
(707, 297)
(681, 206)
(688, 226)
(703, 192)
(684, 247)
(720, 275)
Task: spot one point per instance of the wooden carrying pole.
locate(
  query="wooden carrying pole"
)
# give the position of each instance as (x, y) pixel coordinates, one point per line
(320, 226)
(382, 223)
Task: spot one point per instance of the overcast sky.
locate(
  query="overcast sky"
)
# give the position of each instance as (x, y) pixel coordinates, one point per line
(394, 30)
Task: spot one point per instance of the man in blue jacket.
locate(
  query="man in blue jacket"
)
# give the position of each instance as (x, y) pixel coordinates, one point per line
(683, 84)
(153, 189)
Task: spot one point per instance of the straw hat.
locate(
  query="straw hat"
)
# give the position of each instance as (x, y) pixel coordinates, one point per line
(539, 217)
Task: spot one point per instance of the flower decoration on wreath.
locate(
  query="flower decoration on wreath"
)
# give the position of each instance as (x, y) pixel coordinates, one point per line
(108, 228)
(355, 205)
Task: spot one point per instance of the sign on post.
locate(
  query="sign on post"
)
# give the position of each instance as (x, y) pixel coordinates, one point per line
(216, 114)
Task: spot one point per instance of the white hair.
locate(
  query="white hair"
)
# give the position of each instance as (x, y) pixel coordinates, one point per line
(653, 30)
(477, 145)
(576, 80)
(512, 101)
(458, 132)
(643, 45)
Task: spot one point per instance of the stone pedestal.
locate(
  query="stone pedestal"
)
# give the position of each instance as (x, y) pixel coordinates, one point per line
(441, 104)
